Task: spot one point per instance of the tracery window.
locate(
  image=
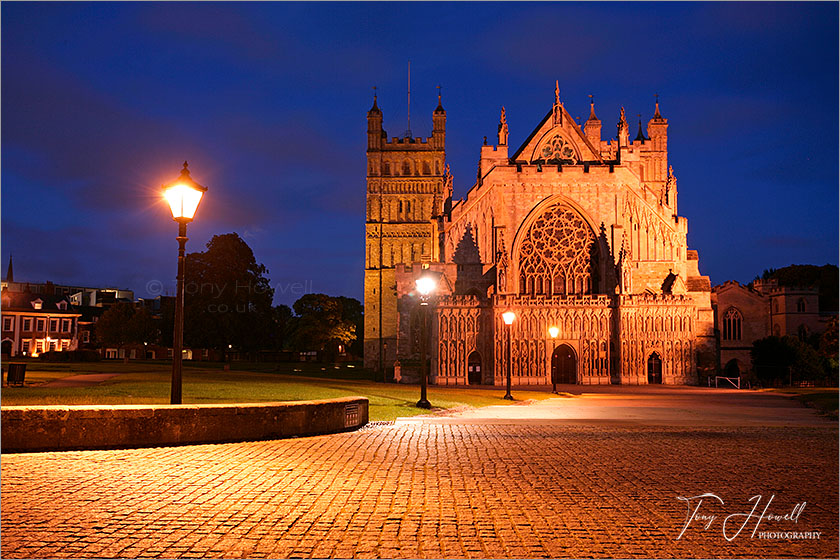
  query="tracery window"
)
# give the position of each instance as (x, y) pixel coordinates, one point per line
(732, 324)
(559, 149)
(554, 256)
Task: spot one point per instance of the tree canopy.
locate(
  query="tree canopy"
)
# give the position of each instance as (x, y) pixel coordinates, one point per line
(324, 322)
(227, 297)
(124, 324)
(824, 278)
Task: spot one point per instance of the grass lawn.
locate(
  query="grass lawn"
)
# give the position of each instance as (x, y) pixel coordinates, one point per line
(825, 400)
(149, 383)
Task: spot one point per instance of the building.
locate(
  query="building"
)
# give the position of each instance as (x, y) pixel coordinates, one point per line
(744, 314)
(568, 231)
(37, 323)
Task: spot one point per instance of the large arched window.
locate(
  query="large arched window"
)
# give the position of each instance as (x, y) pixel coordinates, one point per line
(556, 254)
(732, 324)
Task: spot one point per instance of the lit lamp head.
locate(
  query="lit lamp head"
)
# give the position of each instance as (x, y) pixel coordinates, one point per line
(553, 331)
(425, 285)
(508, 317)
(183, 196)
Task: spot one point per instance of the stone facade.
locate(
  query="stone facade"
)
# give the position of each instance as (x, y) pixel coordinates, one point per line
(568, 231)
(744, 314)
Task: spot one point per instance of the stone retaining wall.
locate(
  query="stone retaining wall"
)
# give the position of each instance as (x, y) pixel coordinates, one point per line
(53, 428)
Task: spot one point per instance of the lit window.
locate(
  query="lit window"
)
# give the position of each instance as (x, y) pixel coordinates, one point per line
(37, 304)
(732, 324)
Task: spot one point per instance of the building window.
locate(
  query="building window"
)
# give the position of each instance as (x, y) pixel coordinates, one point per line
(85, 336)
(27, 324)
(776, 306)
(65, 343)
(40, 325)
(732, 324)
(53, 325)
(406, 167)
(65, 325)
(8, 323)
(800, 305)
(802, 332)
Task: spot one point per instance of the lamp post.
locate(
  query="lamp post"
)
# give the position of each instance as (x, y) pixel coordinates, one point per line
(425, 285)
(183, 196)
(553, 332)
(508, 317)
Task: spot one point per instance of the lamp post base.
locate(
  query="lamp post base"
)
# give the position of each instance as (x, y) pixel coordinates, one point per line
(508, 397)
(423, 403)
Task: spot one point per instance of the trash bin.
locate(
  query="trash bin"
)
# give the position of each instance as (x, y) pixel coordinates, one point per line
(16, 374)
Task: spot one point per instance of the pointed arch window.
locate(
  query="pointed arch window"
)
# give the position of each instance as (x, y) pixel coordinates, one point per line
(732, 324)
(800, 305)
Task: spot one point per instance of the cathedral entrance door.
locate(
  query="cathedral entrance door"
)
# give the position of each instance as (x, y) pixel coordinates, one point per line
(563, 365)
(474, 369)
(654, 365)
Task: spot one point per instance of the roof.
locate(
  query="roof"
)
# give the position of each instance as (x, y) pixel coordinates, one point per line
(22, 301)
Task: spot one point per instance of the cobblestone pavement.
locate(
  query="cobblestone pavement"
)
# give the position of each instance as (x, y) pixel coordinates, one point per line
(488, 489)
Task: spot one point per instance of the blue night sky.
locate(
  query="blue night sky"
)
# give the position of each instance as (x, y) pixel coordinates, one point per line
(102, 102)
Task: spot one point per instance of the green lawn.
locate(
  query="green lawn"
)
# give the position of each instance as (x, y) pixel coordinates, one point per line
(149, 383)
(825, 400)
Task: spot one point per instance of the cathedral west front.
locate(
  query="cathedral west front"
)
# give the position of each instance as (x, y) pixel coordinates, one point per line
(578, 236)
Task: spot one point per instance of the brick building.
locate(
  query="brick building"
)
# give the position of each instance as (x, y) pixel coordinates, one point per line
(567, 231)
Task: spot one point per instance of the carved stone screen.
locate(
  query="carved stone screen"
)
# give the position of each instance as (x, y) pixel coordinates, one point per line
(555, 254)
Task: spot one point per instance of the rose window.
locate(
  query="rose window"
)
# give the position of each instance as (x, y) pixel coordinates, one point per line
(558, 149)
(556, 254)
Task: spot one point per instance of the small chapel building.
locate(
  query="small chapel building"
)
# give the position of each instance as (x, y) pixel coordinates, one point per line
(579, 236)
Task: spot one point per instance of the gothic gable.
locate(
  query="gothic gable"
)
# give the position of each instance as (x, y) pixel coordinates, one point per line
(557, 139)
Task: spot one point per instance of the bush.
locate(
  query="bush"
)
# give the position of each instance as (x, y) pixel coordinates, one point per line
(785, 360)
(71, 356)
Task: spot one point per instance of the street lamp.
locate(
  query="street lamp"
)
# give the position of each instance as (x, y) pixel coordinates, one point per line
(183, 196)
(553, 332)
(425, 285)
(508, 317)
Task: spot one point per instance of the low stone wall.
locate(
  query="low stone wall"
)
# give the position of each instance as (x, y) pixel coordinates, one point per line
(54, 428)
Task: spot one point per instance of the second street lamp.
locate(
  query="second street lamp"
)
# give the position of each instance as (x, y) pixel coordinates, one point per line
(425, 285)
(183, 196)
(553, 331)
(508, 317)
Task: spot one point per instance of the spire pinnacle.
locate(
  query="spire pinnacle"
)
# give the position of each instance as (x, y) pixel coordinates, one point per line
(641, 135)
(503, 129)
(375, 107)
(656, 114)
(557, 92)
(440, 102)
(592, 116)
(10, 273)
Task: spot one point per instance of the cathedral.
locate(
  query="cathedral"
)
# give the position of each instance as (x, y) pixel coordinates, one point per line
(578, 236)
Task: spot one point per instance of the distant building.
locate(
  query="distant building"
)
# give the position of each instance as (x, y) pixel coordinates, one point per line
(744, 314)
(35, 323)
(79, 295)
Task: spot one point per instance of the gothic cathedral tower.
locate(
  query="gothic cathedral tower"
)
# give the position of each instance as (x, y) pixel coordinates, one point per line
(406, 192)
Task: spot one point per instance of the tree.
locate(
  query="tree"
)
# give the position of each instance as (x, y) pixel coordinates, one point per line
(323, 323)
(123, 324)
(227, 297)
(824, 278)
(786, 359)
